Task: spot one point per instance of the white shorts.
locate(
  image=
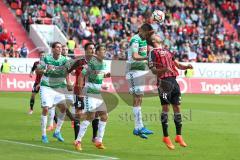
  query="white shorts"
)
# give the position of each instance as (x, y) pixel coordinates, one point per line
(94, 103)
(70, 98)
(136, 82)
(50, 97)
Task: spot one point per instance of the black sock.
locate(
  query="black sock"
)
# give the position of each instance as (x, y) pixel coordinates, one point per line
(31, 103)
(76, 127)
(164, 120)
(95, 127)
(55, 118)
(178, 123)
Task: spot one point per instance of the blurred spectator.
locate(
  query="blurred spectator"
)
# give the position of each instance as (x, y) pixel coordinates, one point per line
(5, 68)
(23, 51)
(71, 44)
(1, 24)
(4, 37)
(12, 40)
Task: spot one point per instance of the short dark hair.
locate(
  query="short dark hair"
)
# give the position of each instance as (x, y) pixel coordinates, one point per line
(88, 44)
(149, 41)
(146, 27)
(100, 46)
(55, 43)
(40, 52)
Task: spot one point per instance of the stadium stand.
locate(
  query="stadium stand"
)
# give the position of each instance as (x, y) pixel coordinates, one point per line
(193, 29)
(12, 34)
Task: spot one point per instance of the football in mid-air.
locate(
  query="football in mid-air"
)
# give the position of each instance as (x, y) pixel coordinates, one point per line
(158, 16)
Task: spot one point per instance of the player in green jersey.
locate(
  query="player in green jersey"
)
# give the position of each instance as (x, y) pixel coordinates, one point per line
(52, 88)
(136, 71)
(93, 102)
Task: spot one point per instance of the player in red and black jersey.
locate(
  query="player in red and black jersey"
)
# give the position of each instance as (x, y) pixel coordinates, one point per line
(36, 85)
(164, 66)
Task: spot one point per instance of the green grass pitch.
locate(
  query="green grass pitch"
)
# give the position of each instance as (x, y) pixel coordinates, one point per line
(211, 128)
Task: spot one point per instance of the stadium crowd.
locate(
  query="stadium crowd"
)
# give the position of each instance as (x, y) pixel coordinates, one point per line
(191, 29)
(230, 10)
(8, 44)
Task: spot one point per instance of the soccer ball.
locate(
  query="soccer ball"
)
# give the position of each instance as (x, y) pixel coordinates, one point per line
(158, 16)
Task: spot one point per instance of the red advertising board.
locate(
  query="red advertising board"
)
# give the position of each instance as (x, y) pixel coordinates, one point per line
(22, 82)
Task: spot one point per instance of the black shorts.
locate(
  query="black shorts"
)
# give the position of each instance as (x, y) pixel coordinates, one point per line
(172, 97)
(35, 89)
(79, 104)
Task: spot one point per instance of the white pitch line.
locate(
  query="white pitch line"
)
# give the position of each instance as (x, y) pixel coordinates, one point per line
(60, 149)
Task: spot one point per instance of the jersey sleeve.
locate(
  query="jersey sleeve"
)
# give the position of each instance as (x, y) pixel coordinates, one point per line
(151, 60)
(34, 67)
(42, 64)
(134, 46)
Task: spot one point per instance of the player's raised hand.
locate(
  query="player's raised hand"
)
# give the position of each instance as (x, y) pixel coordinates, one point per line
(104, 87)
(50, 67)
(107, 75)
(69, 87)
(31, 75)
(189, 66)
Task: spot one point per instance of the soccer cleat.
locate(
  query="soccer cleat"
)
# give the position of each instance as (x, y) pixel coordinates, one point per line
(136, 132)
(78, 145)
(30, 112)
(180, 140)
(58, 136)
(145, 131)
(99, 145)
(50, 128)
(45, 139)
(168, 143)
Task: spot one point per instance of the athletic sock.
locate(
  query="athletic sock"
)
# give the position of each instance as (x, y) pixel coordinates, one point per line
(32, 103)
(55, 118)
(83, 128)
(95, 127)
(138, 117)
(76, 127)
(164, 120)
(44, 125)
(101, 130)
(178, 123)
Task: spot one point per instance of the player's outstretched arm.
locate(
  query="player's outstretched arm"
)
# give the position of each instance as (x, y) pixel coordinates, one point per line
(181, 66)
(40, 71)
(75, 65)
(160, 71)
(137, 57)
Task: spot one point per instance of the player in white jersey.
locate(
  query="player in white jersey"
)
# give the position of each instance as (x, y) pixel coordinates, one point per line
(52, 88)
(93, 101)
(136, 71)
(69, 96)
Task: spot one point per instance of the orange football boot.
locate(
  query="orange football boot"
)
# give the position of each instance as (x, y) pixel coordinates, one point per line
(180, 140)
(168, 143)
